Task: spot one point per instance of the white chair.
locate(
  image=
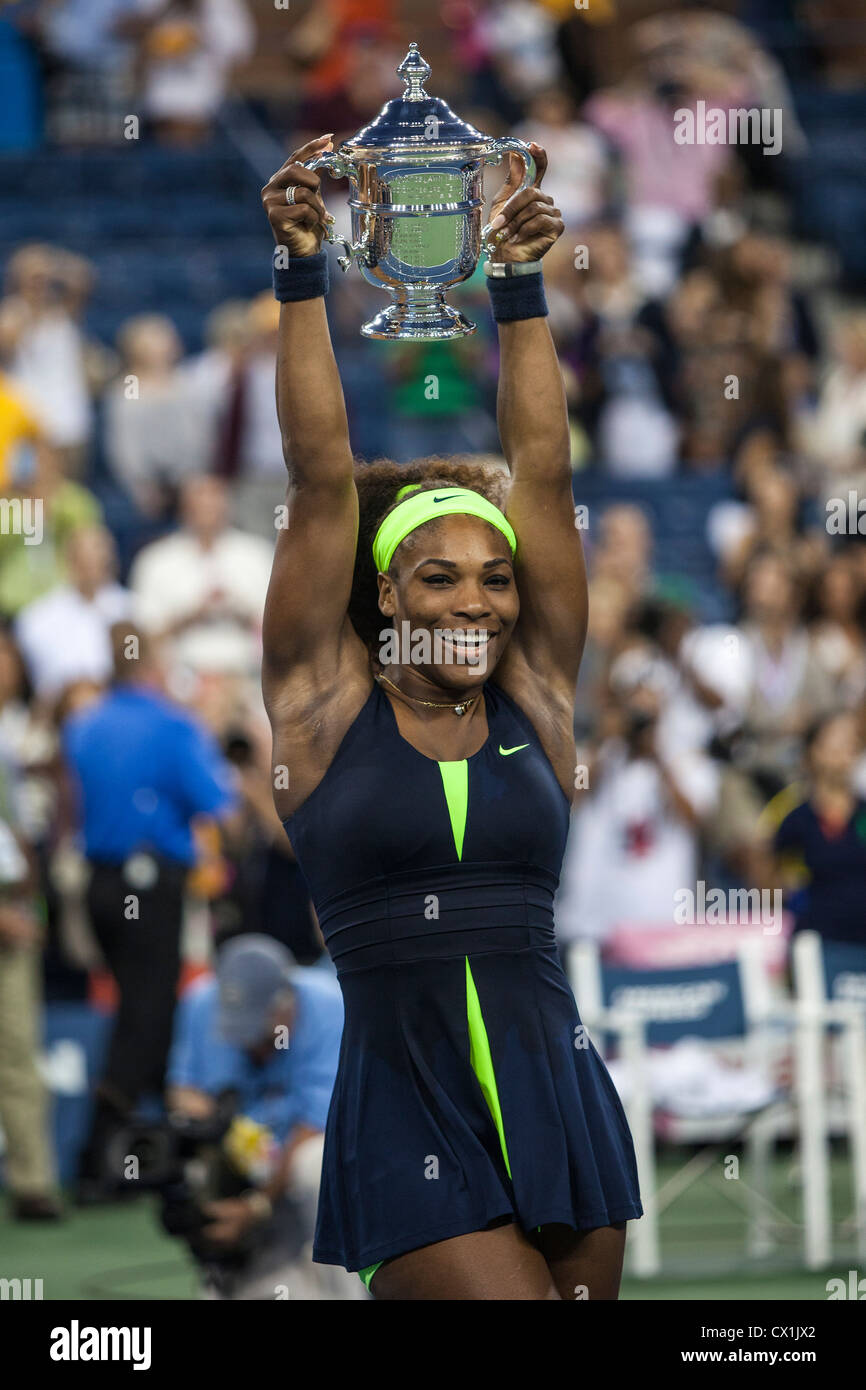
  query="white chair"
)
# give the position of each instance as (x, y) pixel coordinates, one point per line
(722, 1003)
(830, 986)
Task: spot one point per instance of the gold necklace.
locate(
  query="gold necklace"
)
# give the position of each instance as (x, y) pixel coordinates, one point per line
(459, 709)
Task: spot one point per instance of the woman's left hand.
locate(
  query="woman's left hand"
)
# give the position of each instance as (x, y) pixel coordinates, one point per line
(524, 225)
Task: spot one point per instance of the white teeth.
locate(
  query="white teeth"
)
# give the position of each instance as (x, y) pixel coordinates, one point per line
(469, 639)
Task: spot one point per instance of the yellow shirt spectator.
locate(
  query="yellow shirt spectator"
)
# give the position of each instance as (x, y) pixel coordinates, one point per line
(18, 425)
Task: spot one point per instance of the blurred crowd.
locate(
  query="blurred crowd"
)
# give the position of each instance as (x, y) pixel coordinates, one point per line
(699, 336)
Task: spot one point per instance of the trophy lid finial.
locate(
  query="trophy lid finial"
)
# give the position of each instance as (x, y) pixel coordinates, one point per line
(415, 120)
(414, 71)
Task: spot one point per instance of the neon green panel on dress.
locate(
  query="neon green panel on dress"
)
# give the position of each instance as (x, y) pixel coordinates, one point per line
(455, 780)
(482, 1064)
(481, 1060)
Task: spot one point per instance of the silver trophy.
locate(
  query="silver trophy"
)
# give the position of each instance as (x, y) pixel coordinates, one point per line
(415, 175)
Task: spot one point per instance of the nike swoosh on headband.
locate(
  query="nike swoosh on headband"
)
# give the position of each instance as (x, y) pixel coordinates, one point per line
(416, 506)
(506, 751)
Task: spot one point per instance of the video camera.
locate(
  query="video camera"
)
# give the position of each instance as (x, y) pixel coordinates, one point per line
(176, 1158)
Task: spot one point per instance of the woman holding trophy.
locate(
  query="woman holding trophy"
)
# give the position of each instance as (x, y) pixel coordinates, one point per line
(476, 1147)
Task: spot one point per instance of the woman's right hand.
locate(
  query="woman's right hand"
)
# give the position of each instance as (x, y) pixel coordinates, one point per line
(300, 225)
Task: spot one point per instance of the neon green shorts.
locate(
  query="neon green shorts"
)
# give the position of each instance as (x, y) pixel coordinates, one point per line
(367, 1274)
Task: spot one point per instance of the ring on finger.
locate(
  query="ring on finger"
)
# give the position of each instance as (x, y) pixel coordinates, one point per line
(290, 194)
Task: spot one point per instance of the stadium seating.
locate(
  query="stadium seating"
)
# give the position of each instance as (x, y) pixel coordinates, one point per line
(828, 184)
(677, 509)
(171, 232)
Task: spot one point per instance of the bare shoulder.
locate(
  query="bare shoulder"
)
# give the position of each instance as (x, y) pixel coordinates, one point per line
(547, 701)
(311, 709)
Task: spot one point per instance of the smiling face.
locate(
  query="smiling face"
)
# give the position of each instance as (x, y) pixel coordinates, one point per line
(452, 582)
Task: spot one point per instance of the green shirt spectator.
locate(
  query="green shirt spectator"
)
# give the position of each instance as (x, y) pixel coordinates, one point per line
(27, 571)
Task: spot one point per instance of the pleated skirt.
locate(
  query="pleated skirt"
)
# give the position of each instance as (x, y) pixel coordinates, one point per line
(467, 1091)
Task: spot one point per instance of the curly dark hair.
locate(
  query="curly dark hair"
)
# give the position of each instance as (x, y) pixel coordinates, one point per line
(378, 484)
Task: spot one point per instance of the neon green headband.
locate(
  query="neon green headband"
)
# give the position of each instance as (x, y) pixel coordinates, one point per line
(429, 505)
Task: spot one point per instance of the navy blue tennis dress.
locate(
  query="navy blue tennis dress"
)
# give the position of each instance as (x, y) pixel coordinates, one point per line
(465, 1090)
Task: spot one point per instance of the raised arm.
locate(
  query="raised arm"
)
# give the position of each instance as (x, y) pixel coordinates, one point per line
(533, 428)
(305, 622)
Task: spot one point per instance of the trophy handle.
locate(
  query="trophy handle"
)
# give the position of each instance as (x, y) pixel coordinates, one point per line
(338, 169)
(494, 156)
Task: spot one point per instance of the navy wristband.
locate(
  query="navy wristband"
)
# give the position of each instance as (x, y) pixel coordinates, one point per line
(517, 297)
(305, 277)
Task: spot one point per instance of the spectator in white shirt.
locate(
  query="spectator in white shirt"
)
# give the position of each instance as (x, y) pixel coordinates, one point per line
(836, 434)
(64, 636)
(233, 381)
(213, 374)
(579, 161)
(156, 422)
(189, 50)
(790, 688)
(202, 589)
(262, 443)
(42, 344)
(634, 840)
(521, 40)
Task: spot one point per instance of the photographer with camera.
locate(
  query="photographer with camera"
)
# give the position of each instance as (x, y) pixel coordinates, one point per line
(636, 834)
(266, 1033)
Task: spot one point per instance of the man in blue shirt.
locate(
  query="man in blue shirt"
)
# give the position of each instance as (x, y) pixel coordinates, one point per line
(144, 770)
(269, 1032)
